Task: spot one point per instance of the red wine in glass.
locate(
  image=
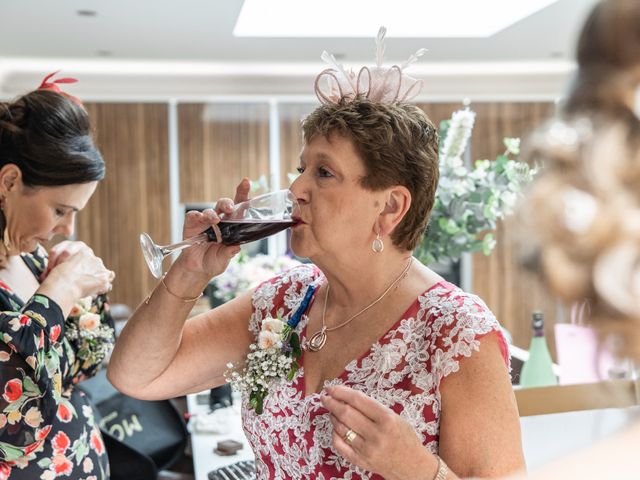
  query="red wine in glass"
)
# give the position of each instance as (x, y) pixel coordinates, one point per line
(251, 220)
(236, 232)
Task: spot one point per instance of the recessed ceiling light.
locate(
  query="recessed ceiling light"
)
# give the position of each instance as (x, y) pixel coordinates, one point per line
(362, 18)
(87, 13)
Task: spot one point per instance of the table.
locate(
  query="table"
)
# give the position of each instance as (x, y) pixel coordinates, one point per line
(203, 444)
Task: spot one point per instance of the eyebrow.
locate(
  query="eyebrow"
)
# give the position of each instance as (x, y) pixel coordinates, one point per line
(75, 209)
(319, 156)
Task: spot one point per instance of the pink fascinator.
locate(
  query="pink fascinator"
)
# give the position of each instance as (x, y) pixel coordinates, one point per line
(378, 83)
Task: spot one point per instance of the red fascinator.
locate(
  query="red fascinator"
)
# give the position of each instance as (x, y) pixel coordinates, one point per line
(49, 84)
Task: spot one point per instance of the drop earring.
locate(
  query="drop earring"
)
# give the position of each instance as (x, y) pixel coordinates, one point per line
(5, 232)
(5, 239)
(377, 245)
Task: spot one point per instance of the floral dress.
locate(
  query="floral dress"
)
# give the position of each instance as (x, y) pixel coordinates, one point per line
(47, 427)
(402, 370)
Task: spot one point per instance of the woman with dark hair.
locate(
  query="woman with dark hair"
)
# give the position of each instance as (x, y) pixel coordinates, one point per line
(400, 372)
(49, 168)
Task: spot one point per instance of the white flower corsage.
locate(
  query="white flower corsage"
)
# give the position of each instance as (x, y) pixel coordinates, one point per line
(272, 358)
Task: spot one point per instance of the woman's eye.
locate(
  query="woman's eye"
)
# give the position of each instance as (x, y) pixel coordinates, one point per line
(323, 172)
(59, 212)
(300, 170)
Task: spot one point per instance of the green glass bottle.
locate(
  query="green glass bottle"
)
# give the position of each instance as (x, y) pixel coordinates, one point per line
(537, 371)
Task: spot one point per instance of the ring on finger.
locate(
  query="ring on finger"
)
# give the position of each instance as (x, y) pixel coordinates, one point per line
(350, 436)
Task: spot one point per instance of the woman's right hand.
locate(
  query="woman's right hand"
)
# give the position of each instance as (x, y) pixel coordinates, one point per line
(210, 258)
(79, 275)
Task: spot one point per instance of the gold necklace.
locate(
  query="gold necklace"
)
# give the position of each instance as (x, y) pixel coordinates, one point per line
(318, 339)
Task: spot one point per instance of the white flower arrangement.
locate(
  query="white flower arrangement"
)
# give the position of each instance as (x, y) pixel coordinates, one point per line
(272, 359)
(245, 273)
(470, 201)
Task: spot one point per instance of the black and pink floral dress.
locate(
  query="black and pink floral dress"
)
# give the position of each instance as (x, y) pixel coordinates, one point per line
(47, 427)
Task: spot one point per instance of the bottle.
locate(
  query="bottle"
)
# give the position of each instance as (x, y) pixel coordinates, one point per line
(537, 371)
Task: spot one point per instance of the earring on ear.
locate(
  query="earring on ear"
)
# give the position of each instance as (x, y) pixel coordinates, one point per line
(5, 239)
(377, 245)
(5, 233)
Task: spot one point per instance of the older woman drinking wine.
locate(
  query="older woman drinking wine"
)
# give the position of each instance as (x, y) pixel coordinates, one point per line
(378, 366)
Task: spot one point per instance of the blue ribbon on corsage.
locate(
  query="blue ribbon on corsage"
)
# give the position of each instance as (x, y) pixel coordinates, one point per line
(297, 315)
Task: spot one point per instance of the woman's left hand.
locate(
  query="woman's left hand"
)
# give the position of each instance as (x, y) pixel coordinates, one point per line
(374, 437)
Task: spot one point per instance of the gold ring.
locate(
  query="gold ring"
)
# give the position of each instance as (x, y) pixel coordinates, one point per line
(350, 436)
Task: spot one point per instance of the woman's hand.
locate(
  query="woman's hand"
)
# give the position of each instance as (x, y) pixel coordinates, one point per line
(210, 258)
(374, 437)
(83, 273)
(79, 275)
(61, 252)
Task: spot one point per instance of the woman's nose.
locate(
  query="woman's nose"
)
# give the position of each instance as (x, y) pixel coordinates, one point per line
(298, 190)
(66, 226)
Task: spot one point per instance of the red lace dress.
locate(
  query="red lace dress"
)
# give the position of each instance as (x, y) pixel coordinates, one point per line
(402, 370)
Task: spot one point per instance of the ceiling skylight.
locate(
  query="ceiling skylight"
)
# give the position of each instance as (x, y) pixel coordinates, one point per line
(362, 18)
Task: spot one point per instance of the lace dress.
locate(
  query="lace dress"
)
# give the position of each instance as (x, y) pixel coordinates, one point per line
(402, 370)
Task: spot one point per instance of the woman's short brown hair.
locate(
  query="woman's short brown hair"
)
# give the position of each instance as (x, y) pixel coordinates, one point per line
(398, 145)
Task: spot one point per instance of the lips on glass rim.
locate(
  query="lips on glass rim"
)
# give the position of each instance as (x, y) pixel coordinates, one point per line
(297, 220)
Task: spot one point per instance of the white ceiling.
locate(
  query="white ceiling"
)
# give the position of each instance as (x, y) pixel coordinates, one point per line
(159, 47)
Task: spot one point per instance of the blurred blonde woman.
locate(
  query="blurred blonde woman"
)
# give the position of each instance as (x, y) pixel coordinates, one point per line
(584, 209)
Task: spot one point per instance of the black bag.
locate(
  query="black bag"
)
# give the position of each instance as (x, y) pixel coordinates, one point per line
(141, 437)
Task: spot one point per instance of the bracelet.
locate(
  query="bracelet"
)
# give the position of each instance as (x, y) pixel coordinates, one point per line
(185, 300)
(443, 470)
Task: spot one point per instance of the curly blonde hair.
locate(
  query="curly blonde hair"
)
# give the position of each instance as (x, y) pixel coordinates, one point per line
(582, 213)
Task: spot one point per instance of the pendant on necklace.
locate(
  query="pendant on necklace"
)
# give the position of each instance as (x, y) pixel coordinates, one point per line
(317, 341)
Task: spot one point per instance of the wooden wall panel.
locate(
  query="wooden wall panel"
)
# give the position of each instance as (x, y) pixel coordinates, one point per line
(291, 116)
(218, 145)
(134, 197)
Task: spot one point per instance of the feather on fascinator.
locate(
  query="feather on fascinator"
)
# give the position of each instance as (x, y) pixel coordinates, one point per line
(53, 85)
(378, 83)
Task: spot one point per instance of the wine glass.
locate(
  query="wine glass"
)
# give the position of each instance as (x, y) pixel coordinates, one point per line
(251, 220)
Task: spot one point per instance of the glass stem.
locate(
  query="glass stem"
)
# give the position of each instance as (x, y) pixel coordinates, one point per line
(187, 242)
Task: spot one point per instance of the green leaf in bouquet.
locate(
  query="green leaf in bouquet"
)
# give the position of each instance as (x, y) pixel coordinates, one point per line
(256, 400)
(444, 128)
(448, 225)
(513, 145)
(294, 341)
(488, 243)
(500, 163)
(475, 197)
(292, 372)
